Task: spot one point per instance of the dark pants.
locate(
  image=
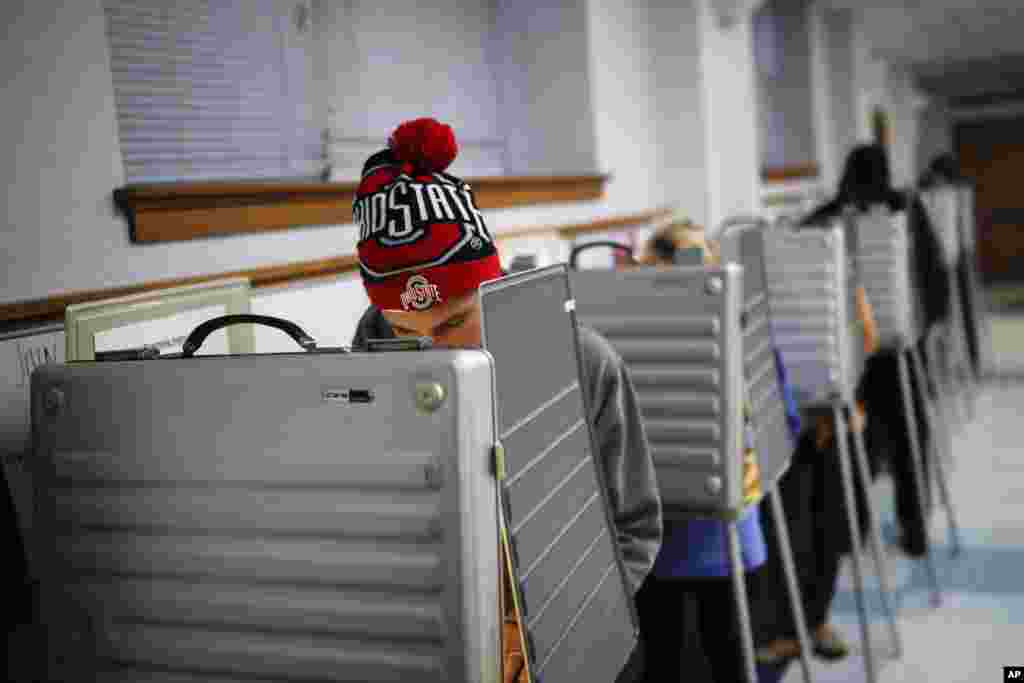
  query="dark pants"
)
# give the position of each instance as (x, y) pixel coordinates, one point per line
(814, 540)
(881, 390)
(689, 631)
(813, 500)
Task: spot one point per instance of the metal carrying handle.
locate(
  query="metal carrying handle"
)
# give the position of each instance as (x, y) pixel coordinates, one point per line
(574, 254)
(199, 335)
(735, 222)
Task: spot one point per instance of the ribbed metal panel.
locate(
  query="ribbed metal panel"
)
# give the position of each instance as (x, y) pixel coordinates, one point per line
(883, 256)
(680, 339)
(745, 244)
(812, 287)
(217, 516)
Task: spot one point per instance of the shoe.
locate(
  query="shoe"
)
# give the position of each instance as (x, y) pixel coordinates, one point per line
(828, 644)
(778, 651)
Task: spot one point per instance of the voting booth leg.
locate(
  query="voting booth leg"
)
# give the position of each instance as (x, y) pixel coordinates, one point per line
(966, 362)
(949, 390)
(940, 469)
(739, 589)
(855, 549)
(795, 601)
(916, 463)
(942, 400)
(960, 376)
(877, 548)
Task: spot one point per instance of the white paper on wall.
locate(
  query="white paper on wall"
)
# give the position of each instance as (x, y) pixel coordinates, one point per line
(167, 334)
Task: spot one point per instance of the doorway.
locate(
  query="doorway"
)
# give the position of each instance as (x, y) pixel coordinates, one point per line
(991, 154)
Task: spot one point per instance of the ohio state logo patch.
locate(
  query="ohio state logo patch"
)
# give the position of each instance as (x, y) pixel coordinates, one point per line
(420, 294)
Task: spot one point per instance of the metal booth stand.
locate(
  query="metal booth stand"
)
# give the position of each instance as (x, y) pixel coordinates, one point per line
(330, 514)
(698, 351)
(812, 284)
(976, 316)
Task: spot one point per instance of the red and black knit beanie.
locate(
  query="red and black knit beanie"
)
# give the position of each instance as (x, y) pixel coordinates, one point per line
(422, 240)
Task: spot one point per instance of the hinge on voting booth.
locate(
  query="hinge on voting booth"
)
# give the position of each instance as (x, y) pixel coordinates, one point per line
(499, 461)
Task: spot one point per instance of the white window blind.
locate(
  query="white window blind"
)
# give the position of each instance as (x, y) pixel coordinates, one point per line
(214, 89)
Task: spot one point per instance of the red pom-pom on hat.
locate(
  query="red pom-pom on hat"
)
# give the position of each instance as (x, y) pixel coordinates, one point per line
(424, 145)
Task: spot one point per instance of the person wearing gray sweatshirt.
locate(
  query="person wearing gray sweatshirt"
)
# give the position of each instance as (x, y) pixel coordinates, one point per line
(423, 252)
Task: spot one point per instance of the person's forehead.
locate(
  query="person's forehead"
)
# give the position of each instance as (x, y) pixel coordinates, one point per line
(432, 316)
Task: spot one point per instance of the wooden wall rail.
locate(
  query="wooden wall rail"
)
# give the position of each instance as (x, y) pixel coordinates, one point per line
(171, 212)
(782, 174)
(52, 308)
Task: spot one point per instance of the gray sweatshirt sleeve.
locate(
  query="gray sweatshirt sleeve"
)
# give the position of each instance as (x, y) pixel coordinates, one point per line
(624, 452)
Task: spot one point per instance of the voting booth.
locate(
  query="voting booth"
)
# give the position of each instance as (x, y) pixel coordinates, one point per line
(679, 333)
(811, 280)
(949, 354)
(329, 515)
(884, 258)
(696, 342)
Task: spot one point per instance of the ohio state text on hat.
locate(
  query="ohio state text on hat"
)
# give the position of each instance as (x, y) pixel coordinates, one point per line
(422, 239)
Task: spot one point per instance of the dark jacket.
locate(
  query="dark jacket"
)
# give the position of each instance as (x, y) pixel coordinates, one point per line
(621, 442)
(866, 182)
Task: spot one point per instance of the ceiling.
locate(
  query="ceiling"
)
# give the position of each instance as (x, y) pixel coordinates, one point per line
(955, 48)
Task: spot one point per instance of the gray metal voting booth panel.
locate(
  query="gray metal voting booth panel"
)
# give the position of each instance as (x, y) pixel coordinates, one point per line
(678, 331)
(234, 516)
(812, 285)
(883, 256)
(745, 245)
(577, 611)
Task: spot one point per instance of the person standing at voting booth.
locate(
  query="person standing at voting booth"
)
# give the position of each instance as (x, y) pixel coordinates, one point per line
(817, 548)
(687, 611)
(424, 250)
(866, 182)
(812, 496)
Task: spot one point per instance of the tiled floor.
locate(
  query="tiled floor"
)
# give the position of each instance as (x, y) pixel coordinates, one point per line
(979, 628)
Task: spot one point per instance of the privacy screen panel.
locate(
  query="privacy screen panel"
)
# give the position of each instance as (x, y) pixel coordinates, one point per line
(577, 609)
(678, 330)
(298, 517)
(812, 295)
(883, 257)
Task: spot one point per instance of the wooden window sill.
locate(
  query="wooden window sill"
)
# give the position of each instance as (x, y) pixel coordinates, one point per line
(786, 174)
(171, 212)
